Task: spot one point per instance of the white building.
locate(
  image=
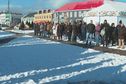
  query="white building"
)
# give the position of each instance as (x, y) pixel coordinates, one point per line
(10, 19)
(28, 18)
(75, 11)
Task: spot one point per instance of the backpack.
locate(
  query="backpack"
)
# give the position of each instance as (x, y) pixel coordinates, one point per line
(102, 32)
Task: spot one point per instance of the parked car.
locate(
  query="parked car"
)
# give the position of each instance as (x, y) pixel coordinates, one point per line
(4, 27)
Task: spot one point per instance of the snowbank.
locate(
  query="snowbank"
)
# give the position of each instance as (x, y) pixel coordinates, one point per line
(22, 31)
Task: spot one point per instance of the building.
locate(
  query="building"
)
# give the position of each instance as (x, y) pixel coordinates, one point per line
(10, 19)
(28, 18)
(43, 16)
(75, 11)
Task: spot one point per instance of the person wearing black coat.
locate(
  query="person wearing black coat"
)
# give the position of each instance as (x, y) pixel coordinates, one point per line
(35, 29)
(59, 31)
(90, 33)
(62, 25)
(113, 33)
(69, 31)
(107, 32)
(83, 30)
(79, 34)
(74, 32)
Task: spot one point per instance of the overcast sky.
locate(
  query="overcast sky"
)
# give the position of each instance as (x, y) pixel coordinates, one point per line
(32, 5)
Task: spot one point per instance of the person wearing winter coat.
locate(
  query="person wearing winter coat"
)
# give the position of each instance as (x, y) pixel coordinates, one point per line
(97, 34)
(106, 26)
(90, 33)
(59, 31)
(69, 31)
(113, 35)
(62, 30)
(35, 29)
(54, 28)
(79, 35)
(49, 26)
(83, 30)
(121, 36)
(74, 32)
(41, 29)
(38, 29)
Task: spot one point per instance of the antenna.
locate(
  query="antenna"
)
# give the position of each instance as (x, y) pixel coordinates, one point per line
(8, 10)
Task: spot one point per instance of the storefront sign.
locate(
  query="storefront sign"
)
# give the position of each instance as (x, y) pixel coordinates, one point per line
(103, 13)
(108, 13)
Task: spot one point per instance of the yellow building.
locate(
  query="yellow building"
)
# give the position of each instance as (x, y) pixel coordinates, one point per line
(45, 16)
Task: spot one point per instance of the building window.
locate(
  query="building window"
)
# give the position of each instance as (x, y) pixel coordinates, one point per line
(71, 14)
(80, 14)
(67, 14)
(75, 14)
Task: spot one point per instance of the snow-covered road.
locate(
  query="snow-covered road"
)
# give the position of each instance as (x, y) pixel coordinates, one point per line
(29, 60)
(4, 35)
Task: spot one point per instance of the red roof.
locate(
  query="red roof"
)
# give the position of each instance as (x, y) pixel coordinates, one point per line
(81, 5)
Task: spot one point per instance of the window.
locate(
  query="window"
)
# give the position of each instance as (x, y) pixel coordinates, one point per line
(80, 14)
(67, 14)
(71, 14)
(75, 14)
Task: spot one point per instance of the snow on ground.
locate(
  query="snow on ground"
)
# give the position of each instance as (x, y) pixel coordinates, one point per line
(4, 35)
(94, 43)
(22, 31)
(116, 47)
(29, 60)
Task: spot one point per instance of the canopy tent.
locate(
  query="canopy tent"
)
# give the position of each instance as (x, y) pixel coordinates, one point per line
(112, 11)
(80, 5)
(111, 8)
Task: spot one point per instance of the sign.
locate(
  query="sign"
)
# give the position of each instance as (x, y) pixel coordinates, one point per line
(103, 13)
(108, 13)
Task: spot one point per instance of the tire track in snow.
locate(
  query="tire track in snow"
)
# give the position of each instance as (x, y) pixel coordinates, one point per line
(35, 72)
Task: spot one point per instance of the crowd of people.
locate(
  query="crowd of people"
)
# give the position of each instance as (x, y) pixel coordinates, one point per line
(101, 34)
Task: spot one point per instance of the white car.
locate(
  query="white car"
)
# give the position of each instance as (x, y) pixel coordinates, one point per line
(4, 27)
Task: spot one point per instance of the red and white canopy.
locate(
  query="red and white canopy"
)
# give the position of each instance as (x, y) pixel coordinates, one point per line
(80, 5)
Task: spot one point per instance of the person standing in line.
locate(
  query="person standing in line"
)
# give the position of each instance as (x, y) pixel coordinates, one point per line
(118, 30)
(41, 29)
(38, 29)
(106, 26)
(79, 35)
(113, 34)
(35, 29)
(121, 36)
(62, 30)
(69, 31)
(59, 31)
(97, 34)
(74, 32)
(90, 33)
(83, 30)
(102, 34)
(54, 28)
